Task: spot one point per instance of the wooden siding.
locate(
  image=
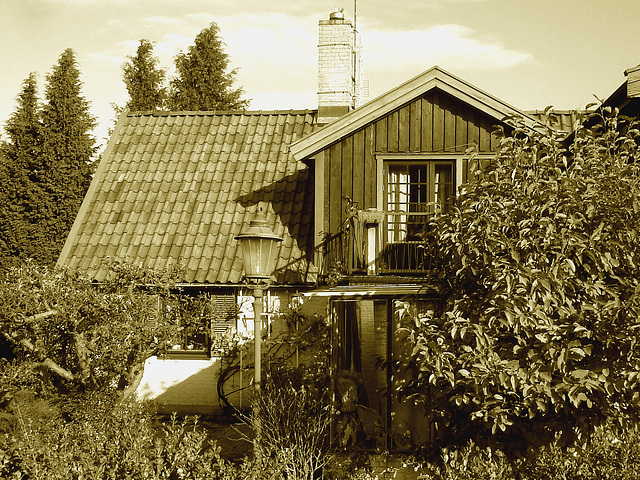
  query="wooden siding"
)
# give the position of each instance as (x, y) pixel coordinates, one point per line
(433, 123)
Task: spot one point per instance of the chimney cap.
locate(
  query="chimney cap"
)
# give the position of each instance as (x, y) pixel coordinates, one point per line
(337, 14)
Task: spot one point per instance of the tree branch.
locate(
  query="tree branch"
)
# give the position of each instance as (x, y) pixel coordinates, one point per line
(47, 362)
(40, 316)
(55, 368)
(134, 379)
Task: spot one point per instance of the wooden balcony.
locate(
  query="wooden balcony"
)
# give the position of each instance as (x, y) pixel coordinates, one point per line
(359, 249)
(407, 258)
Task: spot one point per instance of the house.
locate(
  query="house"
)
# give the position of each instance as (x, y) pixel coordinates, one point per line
(347, 186)
(627, 96)
(175, 188)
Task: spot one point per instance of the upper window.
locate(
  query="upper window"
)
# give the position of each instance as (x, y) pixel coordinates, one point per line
(414, 190)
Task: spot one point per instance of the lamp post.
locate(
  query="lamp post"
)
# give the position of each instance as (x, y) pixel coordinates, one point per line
(258, 245)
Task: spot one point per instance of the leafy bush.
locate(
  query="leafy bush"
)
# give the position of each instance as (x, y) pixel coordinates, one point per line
(608, 454)
(107, 442)
(539, 270)
(291, 420)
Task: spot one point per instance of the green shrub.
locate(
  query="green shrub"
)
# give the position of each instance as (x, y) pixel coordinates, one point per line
(608, 454)
(107, 442)
(292, 412)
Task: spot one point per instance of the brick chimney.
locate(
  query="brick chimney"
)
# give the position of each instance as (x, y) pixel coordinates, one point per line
(339, 83)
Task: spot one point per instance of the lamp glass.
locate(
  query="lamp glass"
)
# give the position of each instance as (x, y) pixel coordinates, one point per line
(259, 249)
(259, 255)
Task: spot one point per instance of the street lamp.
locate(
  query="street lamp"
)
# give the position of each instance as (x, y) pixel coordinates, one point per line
(258, 245)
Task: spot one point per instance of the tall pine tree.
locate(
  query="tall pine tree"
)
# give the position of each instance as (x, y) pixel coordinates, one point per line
(67, 152)
(144, 79)
(21, 196)
(202, 81)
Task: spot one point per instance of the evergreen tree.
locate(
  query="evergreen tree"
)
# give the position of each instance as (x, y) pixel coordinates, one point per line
(202, 81)
(67, 152)
(20, 192)
(144, 80)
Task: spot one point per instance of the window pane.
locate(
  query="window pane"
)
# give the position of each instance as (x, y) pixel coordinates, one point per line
(443, 186)
(415, 190)
(407, 195)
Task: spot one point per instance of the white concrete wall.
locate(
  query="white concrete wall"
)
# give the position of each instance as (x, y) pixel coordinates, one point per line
(185, 386)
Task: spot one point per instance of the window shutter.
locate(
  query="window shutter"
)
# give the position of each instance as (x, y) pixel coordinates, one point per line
(224, 313)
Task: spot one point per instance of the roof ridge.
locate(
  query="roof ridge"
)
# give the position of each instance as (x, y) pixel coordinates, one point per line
(556, 110)
(182, 113)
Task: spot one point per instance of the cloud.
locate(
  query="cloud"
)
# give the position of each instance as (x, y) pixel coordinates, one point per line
(163, 21)
(169, 45)
(447, 2)
(80, 3)
(272, 51)
(279, 100)
(105, 59)
(275, 53)
(452, 45)
(274, 39)
(204, 18)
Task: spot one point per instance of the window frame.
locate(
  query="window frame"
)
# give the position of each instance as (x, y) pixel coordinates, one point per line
(413, 158)
(408, 256)
(381, 159)
(413, 195)
(211, 321)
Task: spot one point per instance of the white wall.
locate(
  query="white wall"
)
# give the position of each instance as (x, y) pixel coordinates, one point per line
(189, 386)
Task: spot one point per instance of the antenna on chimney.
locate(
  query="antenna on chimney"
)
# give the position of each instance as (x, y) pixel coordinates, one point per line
(355, 15)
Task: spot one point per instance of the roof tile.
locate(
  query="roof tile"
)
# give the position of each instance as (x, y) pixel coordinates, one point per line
(178, 187)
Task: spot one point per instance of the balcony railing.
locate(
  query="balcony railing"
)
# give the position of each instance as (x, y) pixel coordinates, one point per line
(350, 252)
(411, 257)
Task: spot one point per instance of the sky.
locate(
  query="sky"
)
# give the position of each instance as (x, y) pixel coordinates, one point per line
(530, 54)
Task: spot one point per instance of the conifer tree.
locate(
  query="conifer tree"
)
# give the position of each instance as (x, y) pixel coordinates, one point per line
(144, 80)
(20, 192)
(202, 81)
(67, 152)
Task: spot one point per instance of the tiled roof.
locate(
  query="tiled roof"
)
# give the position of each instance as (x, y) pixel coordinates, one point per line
(565, 121)
(175, 188)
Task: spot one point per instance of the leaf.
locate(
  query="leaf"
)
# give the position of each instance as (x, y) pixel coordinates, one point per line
(608, 386)
(544, 282)
(572, 266)
(580, 374)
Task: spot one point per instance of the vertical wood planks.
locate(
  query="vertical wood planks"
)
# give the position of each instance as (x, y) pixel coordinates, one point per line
(347, 168)
(438, 124)
(449, 125)
(392, 132)
(427, 123)
(473, 130)
(381, 135)
(462, 134)
(484, 126)
(370, 168)
(335, 187)
(404, 128)
(415, 126)
(327, 190)
(359, 165)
